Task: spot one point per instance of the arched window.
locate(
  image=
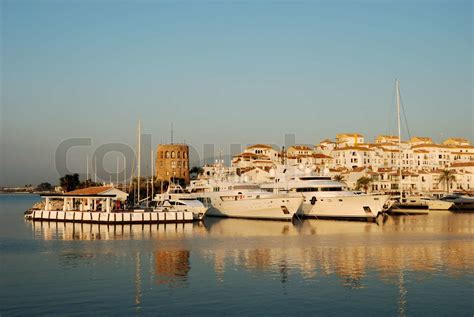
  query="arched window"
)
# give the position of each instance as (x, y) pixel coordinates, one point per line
(167, 155)
(172, 154)
(185, 155)
(161, 154)
(179, 154)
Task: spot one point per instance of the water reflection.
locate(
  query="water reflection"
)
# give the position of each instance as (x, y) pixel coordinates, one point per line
(76, 231)
(172, 267)
(354, 252)
(349, 250)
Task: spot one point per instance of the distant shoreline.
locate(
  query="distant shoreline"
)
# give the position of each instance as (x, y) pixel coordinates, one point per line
(18, 193)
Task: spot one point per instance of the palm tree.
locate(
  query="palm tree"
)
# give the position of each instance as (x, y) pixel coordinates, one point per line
(339, 178)
(196, 170)
(364, 182)
(447, 177)
(69, 182)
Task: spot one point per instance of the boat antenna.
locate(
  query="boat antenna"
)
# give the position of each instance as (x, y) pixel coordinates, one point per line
(87, 170)
(125, 174)
(171, 132)
(117, 171)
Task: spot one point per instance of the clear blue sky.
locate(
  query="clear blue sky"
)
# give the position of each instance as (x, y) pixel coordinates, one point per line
(225, 72)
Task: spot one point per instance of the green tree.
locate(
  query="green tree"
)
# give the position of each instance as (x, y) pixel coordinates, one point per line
(44, 187)
(339, 178)
(69, 182)
(364, 183)
(447, 177)
(89, 183)
(197, 170)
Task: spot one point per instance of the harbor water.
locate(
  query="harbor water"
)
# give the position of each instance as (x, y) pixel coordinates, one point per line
(407, 265)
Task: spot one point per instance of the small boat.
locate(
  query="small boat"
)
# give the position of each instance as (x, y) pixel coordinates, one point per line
(460, 202)
(437, 204)
(410, 206)
(177, 199)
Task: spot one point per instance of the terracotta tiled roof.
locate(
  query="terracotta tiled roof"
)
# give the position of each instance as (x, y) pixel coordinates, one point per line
(382, 136)
(359, 148)
(348, 134)
(459, 140)
(462, 164)
(421, 138)
(260, 146)
(252, 155)
(384, 170)
(461, 146)
(321, 156)
(326, 141)
(462, 153)
(90, 190)
(429, 145)
(300, 148)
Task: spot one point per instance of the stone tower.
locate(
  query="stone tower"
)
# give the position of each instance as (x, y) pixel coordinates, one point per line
(172, 161)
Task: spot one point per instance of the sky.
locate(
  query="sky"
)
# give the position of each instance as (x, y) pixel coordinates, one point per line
(224, 72)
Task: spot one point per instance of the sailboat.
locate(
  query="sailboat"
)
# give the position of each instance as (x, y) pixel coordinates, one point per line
(405, 205)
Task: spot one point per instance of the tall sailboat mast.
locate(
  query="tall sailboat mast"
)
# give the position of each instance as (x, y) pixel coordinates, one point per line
(138, 162)
(152, 176)
(397, 85)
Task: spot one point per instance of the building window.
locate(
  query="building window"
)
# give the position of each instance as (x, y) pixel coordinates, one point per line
(173, 164)
(167, 154)
(179, 154)
(172, 154)
(161, 154)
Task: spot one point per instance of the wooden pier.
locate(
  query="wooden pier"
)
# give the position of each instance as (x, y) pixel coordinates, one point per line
(100, 205)
(118, 217)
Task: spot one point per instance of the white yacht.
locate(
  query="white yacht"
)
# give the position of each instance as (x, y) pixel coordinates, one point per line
(325, 198)
(243, 200)
(177, 199)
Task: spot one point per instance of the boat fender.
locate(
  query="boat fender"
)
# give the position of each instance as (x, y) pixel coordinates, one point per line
(313, 200)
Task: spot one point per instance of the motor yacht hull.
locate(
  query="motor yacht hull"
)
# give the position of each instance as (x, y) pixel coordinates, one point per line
(439, 205)
(401, 209)
(271, 208)
(353, 207)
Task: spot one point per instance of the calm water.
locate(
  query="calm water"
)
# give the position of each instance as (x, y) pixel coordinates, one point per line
(410, 265)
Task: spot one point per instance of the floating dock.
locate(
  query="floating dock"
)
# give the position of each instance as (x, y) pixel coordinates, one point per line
(122, 217)
(99, 205)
